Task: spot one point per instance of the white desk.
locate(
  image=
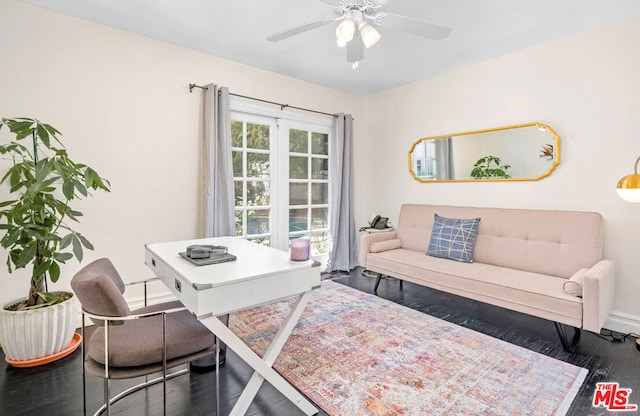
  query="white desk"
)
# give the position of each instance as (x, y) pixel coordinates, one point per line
(259, 275)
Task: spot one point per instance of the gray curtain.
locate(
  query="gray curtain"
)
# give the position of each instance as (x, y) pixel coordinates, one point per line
(444, 158)
(217, 193)
(342, 254)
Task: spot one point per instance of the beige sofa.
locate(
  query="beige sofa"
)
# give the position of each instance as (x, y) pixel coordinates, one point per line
(543, 263)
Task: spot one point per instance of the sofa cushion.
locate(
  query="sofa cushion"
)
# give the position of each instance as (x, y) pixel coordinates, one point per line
(453, 238)
(538, 294)
(385, 245)
(136, 343)
(573, 286)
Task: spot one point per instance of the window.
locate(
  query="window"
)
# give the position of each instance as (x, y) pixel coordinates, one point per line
(251, 143)
(424, 160)
(309, 188)
(281, 178)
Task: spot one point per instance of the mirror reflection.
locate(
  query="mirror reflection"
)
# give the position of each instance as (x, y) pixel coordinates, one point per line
(513, 153)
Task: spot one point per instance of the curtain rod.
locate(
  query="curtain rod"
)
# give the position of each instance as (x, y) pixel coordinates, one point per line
(282, 106)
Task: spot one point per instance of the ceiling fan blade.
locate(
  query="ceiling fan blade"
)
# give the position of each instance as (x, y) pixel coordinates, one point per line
(414, 26)
(299, 29)
(355, 49)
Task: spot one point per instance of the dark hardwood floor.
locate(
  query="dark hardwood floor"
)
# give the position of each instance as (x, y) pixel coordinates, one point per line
(55, 389)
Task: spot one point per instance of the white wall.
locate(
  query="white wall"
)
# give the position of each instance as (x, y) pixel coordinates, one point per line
(585, 86)
(123, 105)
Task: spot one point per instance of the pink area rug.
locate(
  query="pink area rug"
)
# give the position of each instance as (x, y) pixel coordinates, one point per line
(357, 354)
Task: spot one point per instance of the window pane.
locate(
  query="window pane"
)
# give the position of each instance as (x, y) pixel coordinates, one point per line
(298, 220)
(319, 144)
(298, 194)
(237, 164)
(236, 133)
(257, 136)
(298, 142)
(258, 221)
(319, 168)
(258, 193)
(261, 240)
(319, 193)
(430, 150)
(238, 221)
(319, 243)
(319, 218)
(257, 165)
(238, 193)
(298, 167)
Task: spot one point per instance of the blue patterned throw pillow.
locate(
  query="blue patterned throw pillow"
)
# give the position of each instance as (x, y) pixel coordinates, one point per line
(453, 238)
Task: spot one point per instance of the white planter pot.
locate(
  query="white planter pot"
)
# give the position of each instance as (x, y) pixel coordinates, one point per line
(28, 335)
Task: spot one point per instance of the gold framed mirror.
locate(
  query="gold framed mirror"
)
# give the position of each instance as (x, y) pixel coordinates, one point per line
(524, 152)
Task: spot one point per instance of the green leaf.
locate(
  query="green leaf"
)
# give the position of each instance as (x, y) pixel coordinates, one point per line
(43, 134)
(19, 126)
(41, 268)
(54, 272)
(80, 187)
(67, 189)
(94, 181)
(86, 243)
(77, 247)
(52, 130)
(66, 240)
(27, 255)
(11, 237)
(89, 175)
(62, 257)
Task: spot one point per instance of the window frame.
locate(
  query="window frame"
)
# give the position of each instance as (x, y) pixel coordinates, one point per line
(248, 110)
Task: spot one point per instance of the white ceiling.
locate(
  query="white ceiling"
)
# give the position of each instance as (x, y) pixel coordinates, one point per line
(236, 29)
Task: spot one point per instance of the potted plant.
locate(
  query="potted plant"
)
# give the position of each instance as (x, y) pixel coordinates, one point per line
(488, 167)
(35, 227)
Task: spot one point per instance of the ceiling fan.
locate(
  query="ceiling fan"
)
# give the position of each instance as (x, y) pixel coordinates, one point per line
(356, 28)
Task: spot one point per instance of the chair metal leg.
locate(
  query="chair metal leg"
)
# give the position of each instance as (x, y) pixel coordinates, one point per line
(140, 386)
(164, 364)
(107, 402)
(106, 368)
(218, 375)
(84, 376)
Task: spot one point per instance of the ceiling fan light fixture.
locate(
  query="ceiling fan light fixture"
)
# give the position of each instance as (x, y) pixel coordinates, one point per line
(345, 30)
(341, 43)
(369, 35)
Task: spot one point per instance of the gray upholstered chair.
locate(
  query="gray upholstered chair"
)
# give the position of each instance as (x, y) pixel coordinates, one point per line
(128, 344)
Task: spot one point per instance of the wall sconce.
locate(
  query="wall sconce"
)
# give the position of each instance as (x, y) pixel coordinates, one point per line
(629, 186)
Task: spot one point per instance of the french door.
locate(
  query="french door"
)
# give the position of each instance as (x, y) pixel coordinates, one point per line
(282, 180)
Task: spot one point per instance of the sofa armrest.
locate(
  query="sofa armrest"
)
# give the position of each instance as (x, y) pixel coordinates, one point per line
(367, 239)
(598, 295)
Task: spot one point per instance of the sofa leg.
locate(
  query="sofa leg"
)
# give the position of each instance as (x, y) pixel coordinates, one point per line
(566, 345)
(375, 288)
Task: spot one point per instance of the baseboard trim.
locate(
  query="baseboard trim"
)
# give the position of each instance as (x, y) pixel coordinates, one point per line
(622, 322)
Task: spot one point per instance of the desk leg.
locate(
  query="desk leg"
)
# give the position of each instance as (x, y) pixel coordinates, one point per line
(263, 365)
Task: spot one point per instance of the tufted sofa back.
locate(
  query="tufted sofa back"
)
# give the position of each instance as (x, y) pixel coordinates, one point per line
(556, 243)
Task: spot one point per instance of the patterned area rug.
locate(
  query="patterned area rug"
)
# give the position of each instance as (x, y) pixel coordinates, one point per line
(357, 354)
